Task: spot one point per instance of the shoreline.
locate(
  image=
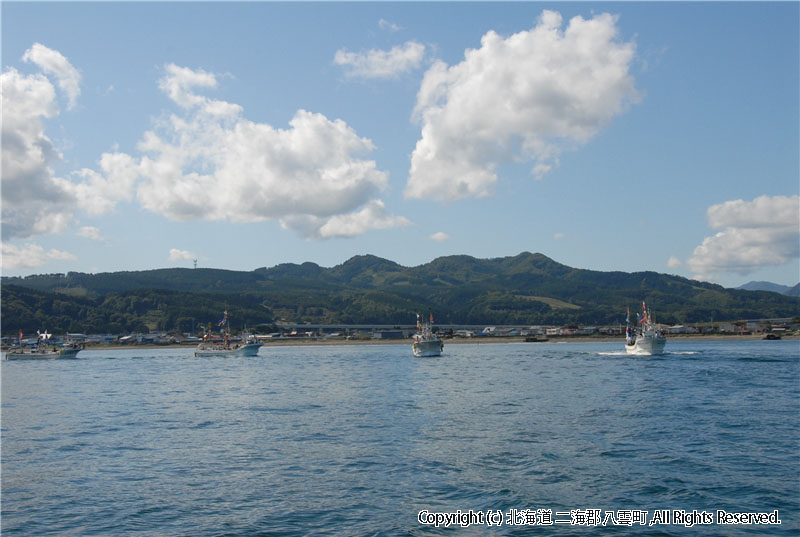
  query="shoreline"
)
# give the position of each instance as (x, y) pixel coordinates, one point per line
(454, 341)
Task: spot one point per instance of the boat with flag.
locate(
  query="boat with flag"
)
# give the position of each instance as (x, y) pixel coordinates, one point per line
(224, 344)
(43, 349)
(643, 338)
(426, 343)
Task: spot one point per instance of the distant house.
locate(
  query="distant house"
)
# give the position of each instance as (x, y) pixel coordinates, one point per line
(533, 331)
(104, 338)
(507, 332)
(334, 335)
(387, 334)
(682, 329)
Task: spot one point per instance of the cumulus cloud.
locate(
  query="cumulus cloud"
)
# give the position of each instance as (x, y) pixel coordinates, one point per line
(90, 232)
(98, 193)
(528, 98)
(179, 84)
(55, 64)
(34, 199)
(372, 216)
(381, 63)
(440, 236)
(213, 164)
(674, 262)
(30, 256)
(386, 25)
(181, 255)
(754, 234)
(558, 236)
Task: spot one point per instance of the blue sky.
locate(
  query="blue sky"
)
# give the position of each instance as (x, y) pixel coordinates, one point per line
(607, 136)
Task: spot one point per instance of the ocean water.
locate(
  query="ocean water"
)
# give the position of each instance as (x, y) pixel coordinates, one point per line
(546, 438)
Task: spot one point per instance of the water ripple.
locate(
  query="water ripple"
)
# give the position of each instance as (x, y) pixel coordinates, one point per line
(357, 440)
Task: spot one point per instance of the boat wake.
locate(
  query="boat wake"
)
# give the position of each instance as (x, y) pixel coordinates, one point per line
(666, 353)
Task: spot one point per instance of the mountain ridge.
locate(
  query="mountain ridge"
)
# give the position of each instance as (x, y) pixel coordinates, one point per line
(770, 286)
(528, 288)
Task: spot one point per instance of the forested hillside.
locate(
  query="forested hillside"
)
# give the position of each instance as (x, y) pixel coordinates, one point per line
(524, 289)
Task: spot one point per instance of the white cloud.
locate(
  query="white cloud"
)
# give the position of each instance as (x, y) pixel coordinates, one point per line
(30, 256)
(528, 97)
(99, 193)
(90, 232)
(179, 83)
(213, 164)
(440, 236)
(181, 255)
(372, 216)
(55, 64)
(34, 200)
(386, 25)
(755, 234)
(674, 262)
(558, 236)
(380, 63)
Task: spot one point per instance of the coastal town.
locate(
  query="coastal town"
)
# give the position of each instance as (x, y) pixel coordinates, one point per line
(283, 333)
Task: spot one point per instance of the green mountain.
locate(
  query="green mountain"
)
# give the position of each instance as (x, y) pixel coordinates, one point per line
(524, 289)
(769, 286)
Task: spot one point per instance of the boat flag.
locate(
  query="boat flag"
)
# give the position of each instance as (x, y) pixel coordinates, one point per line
(419, 325)
(431, 316)
(20, 337)
(628, 316)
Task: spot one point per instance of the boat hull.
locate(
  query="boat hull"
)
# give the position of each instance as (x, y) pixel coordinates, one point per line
(250, 349)
(31, 355)
(64, 354)
(432, 347)
(647, 345)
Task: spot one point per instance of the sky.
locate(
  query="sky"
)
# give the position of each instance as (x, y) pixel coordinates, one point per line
(608, 136)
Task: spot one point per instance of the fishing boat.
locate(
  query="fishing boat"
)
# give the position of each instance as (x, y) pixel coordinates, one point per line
(645, 338)
(426, 343)
(224, 345)
(43, 350)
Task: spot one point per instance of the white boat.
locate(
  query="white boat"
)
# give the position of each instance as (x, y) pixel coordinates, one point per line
(42, 350)
(644, 339)
(426, 343)
(247, 345)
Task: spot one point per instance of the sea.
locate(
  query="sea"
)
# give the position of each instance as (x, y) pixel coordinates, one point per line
(543, 438)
